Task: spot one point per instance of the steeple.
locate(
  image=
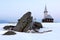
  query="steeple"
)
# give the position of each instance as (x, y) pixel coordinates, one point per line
(45, 12)
(47, 17)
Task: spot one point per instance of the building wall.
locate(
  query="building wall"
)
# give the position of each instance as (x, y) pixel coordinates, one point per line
(47, 20)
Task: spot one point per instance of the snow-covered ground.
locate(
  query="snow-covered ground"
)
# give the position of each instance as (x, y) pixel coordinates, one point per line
(53, 35)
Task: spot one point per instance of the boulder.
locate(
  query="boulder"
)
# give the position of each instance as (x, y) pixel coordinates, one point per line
(37, 26)
(8, 27)
(25, 20)
(9, 33)
(25, 24)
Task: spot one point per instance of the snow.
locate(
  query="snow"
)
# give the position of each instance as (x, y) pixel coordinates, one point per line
(53, 35)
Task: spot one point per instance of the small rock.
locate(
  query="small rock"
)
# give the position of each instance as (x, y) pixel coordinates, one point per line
(9, 33)
(8, 27)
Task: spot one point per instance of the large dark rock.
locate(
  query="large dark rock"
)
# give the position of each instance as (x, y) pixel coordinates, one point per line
(8, 27)
(25, 23)
(9, 33)
(25, 20)
(37, 26)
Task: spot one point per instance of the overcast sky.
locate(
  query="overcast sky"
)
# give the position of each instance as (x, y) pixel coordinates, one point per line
(12, 10)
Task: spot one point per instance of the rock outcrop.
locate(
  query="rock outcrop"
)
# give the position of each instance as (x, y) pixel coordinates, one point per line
(25, 23)
(25, 20)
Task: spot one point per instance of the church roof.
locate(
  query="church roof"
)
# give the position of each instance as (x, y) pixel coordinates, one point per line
(49, 16)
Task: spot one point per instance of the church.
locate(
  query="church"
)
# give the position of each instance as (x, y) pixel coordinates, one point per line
(47, 17)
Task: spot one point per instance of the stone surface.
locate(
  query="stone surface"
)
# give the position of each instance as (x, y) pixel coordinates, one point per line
(25, 23)
(25, 20)
(8, 27)
(37, 26)
(9, 33)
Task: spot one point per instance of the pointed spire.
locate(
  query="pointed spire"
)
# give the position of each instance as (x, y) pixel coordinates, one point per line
(45, 8)
(45, 11)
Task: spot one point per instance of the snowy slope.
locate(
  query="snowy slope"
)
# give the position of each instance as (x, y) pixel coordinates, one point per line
(53, 35)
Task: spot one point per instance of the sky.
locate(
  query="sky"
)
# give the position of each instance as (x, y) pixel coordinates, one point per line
(12, 10)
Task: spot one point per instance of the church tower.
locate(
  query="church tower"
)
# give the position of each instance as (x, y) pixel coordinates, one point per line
(47, 17)
(45, 12)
